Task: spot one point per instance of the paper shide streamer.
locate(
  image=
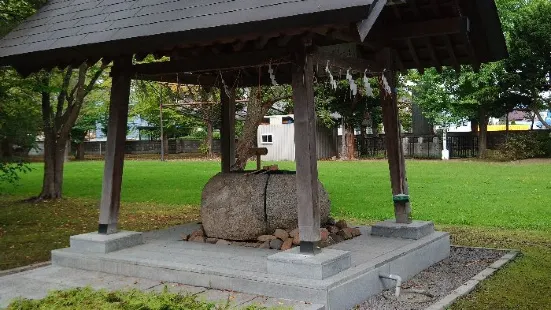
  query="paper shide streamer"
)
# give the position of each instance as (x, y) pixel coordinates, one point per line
(226, 88)
(367, 85)
(331, 78)
(272, 75)
(353, 86)
(386, 86)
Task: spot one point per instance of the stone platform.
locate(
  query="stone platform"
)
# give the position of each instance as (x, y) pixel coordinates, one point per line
(163, 257)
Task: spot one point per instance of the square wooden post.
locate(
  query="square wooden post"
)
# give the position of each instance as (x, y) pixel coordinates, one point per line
(393, 141)
(227, 133)
(116, 138)
(305, 152)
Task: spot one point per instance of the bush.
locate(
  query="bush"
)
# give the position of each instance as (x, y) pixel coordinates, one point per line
(87, 298)
(523, 145)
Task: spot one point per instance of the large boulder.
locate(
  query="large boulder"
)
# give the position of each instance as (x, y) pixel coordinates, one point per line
(240, 206)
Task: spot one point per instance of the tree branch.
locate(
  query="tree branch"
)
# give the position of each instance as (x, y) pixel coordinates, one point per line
(63, 93)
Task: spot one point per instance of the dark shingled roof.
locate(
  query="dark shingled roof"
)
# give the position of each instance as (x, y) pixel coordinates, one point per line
(75, 23)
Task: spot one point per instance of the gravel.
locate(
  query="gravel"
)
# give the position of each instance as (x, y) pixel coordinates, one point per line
(436, 282)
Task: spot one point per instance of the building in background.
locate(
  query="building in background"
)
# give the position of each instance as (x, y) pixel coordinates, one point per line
(276, 133)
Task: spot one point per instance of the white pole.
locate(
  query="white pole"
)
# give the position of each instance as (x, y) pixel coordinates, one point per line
(445, 151)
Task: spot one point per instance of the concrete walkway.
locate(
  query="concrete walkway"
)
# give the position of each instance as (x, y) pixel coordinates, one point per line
(35, 284)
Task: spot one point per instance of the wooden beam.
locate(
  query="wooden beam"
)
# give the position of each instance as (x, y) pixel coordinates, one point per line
(433, 55)
(451, 52)
(375, 9)
(305, 152)
(429, 28)
(116, 138)
(227, 132)
(345, 63)
(415, 57)
(393, 140)
(215, 63)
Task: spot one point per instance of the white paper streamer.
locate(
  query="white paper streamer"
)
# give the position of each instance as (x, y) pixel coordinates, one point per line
(386, 86)
(367, 85)
(226, 88)
(331, 79)
(353, 86)
(272, 75)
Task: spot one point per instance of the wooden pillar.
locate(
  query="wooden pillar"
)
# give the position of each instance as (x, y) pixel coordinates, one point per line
(227, 133)
(116, 138)
(305, 152)
(393, 140)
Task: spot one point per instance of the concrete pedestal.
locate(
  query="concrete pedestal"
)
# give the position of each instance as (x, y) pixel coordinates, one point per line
(323, 265)
(103, 244)
(416, 230)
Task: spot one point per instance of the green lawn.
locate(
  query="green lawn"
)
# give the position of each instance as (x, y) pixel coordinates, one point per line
(455, 193)
(501, 205)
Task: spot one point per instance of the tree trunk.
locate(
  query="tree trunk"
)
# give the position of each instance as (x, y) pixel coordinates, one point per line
(533, 121)
(256, 110)
(350, 142)
(483, 135)
(507, 128)
(208, 139)
(80, 151)
(474, 127)
(6, 148)
(165, 143)
(344, 143)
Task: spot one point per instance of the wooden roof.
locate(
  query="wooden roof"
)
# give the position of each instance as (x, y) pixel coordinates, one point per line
(84, 28)
(210, 35)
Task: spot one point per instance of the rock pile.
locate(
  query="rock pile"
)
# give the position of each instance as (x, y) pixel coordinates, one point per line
(282, 239)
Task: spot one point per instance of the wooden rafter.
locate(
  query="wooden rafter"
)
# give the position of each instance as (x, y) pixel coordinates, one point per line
(415, 56)
(452, 54)
(433, 55)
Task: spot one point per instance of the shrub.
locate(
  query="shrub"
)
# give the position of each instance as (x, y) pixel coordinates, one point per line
(87, 298)
(523, 145)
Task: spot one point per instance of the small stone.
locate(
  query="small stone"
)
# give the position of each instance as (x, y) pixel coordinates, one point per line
(223, 242)
(330, 241)
(296, 240)
(341, 224)
(324, 234)
(345, 233)
(281, 234)
(211, 240)
(184, 237)
(355, 232)
(287, 244)
(199, 239)
(294, 232)
(265, 245)
(251, 245)
(333, 229)
(276, 244)
(336, 238)
(331, 221)
(197, 233)
(265, 238)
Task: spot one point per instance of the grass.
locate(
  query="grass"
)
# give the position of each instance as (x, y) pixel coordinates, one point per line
(454, 193)
(482, 204)
(86, 298)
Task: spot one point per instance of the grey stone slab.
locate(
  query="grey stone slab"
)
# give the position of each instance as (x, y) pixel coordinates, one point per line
(99, 243)
(178, 288)
(81, 278)
(416, 230)
(31, 289)
(321, 266)
(270, 302)
(226, 297)
(484, 274)
(178, 262)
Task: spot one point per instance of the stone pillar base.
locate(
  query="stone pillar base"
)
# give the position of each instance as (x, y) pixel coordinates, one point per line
(318, 267)
(99, 243)
(416, 230)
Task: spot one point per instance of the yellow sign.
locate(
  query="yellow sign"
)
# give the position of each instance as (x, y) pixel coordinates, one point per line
(511, 127)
